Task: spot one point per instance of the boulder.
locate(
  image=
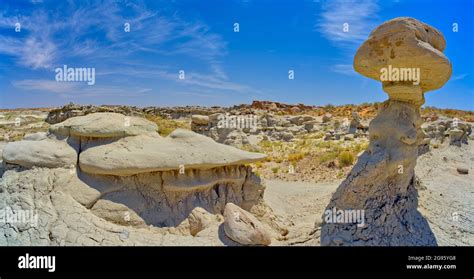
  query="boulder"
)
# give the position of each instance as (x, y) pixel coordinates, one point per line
(36, 136)
(242, 227)
(200, 119)
(117, 213)
(287, 136)
(236, 138)
(327, 117)
(355, 123)
(455, 136)
(300, 119)
(199, 219)
(44, 153)
(310, 127)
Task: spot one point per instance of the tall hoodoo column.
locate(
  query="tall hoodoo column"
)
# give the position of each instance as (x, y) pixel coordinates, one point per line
(377, 203)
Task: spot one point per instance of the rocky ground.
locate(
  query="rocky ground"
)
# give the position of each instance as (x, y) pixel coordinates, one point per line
(445, 199)
(309, 151)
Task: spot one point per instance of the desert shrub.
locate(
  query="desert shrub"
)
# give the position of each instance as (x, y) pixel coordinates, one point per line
(329, 107)
(293, 157)
(275, 170)
(345, 158)
(340, 174)
(166, 126)
(328, 156)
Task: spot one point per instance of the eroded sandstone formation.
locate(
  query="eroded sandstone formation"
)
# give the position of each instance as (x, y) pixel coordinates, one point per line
(381, 184)
(111, 179)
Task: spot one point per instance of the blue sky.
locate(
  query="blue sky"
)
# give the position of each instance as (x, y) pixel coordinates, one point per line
(221, 67)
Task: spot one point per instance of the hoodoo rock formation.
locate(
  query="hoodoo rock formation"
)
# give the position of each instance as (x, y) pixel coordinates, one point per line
(382, 183)
(111, 179)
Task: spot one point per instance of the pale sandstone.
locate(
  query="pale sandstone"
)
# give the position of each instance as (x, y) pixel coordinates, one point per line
(182, 149)
(382, 183)
(44, 153)
(104, 125)
(242, 227)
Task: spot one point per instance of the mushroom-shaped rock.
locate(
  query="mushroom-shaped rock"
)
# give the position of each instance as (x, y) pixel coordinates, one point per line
(44, 153)
(382, 182)
(242, 227)
(143, 153)
(104, 125)
(402, 48)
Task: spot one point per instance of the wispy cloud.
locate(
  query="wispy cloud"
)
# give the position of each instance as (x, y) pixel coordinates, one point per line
(345, 69)
(212, 81)
(360, 17)
(32, 47)
(346, 24)
(45, 85)
(78, 90)
(459, 77)
(50, 39)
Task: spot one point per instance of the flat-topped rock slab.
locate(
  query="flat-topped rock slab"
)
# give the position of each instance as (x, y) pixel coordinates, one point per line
(144, 153)
(104, 125)
(44, 153)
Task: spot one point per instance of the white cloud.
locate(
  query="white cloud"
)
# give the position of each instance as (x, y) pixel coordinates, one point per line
(345, 69)
(459, 77)
(360, 16)
(73, 89)
(51, 40)
(36, 50)
(45, 85)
